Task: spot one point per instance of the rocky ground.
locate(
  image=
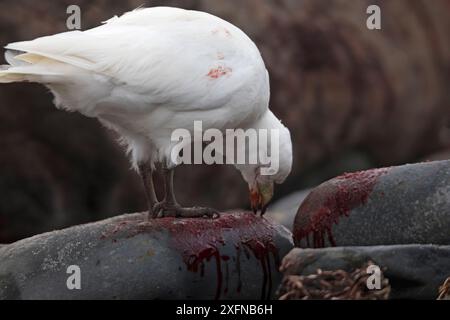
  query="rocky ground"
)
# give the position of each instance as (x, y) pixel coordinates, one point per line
(340, 88)
(236, 256)
(411, 271)
(396, 219)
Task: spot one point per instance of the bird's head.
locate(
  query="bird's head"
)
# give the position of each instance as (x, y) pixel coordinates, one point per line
(261, 192)
(262, 178)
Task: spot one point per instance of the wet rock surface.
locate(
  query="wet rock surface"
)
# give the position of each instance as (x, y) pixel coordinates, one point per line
(334, 83)
(413, 271)
(130, 257)
(407, 204)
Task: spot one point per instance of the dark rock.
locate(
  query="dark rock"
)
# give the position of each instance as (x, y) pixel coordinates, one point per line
(408, 204)
(130, 257)
(336, 85)
(284, 210)
(413, 271)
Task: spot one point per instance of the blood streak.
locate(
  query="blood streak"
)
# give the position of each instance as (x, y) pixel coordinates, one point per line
(260, 249)
(330, 201)
(218, 72)
(200, 241)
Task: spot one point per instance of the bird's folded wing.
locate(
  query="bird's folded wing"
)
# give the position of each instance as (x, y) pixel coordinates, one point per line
(169, 64)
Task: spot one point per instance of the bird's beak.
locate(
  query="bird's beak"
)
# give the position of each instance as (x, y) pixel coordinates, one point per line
(260, 196)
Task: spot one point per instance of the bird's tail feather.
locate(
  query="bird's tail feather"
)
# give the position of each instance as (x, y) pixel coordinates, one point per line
(25, 66)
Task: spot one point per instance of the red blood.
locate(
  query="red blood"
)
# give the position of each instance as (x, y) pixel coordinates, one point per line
(330, 201)
(200, 240)
(218, 72)
(260, 249)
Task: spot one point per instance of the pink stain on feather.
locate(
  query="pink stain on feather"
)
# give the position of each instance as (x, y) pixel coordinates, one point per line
(221, 31)
(218, 72)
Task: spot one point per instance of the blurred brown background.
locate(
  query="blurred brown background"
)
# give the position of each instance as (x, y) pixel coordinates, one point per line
(353, 99)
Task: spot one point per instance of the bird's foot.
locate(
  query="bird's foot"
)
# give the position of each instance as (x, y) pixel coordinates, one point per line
(163, 209)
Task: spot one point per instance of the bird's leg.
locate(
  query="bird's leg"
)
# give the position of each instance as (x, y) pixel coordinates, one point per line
(169, 207)
(168, 187)
(146, 173)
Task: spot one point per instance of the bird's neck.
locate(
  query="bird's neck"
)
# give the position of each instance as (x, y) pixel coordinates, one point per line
(268, 121)
(272, 135)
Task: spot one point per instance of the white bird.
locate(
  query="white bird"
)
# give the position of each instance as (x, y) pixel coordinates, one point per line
(154, 70)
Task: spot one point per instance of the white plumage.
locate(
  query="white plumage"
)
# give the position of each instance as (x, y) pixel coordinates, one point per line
(154, 70)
